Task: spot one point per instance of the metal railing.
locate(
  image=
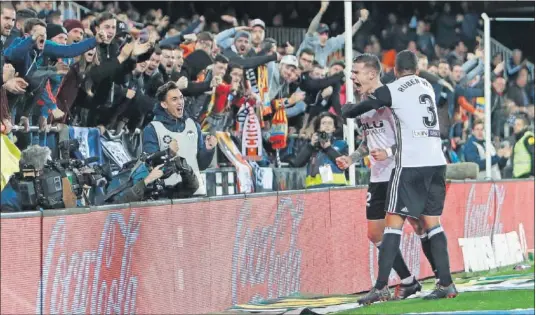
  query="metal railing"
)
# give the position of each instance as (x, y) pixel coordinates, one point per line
(293, 35)
(497, 47)
(70, 9)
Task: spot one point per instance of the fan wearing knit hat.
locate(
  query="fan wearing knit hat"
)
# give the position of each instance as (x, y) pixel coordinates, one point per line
(57, 34)
(75, 31)
(62, 55)
(242, 43)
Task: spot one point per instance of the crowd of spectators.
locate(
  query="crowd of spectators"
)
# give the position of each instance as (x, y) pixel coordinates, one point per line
(116, 69)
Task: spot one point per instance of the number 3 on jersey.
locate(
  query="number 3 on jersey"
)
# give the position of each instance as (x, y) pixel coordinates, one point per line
(429, 121)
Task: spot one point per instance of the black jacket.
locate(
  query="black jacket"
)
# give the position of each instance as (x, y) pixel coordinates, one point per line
(196, 62)
(250, 61)
(108, 73)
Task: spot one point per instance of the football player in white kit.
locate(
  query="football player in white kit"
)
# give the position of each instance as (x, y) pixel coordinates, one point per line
(380, 142)
(417, 184)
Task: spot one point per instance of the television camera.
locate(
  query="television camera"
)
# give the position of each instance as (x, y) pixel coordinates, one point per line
(59, 183)
(137, 170)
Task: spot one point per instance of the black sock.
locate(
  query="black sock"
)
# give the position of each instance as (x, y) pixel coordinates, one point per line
(399, 265)
(425, 242)
(440, 254)
(388, 251)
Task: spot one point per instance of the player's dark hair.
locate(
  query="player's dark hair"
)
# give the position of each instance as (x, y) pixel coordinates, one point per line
(163, 90)
(316, 64)
(406, 61)
(370, 61)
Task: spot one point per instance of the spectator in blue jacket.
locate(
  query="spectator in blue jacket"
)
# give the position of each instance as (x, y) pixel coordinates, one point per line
(514, 64)
(29, 52)
(317, 37)
(475, 151)
(58, 37)
(23, 51)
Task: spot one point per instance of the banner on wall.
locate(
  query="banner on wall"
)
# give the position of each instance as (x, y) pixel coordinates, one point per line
(206, 256)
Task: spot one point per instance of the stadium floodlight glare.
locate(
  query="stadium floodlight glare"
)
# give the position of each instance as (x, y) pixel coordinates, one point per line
(487, 81)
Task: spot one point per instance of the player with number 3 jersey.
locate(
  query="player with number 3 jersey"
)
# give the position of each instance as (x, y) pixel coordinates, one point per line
(417, 185)
(379, 128)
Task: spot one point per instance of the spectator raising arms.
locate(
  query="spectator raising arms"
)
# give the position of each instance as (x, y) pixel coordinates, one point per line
(317, 37)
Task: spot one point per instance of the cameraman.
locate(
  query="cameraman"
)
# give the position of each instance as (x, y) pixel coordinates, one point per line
(37, 157)
(321, 153)
(172, 129)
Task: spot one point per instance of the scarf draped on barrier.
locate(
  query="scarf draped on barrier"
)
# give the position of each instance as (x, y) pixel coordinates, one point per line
(279, 132)
(263, 90)
(248, 126)
(115, 150)
(90, 144)
(244, 172)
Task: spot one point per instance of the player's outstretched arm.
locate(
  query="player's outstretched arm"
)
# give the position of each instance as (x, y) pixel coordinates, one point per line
(381, 97)
(354, 110)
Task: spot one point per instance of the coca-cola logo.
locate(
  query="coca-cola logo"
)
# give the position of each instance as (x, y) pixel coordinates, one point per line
(483, 218)
(95, 281)
(266, 259)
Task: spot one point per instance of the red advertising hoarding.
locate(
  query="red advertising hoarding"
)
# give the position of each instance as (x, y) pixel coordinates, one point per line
(207, 256)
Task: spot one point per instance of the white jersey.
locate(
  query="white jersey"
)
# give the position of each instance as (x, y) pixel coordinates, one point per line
(417, 123)
(380, 131)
